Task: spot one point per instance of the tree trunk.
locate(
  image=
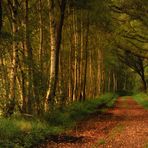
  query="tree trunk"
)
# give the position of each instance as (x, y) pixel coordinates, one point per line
(28, 48)
(55, 42)
(143, 82)
(99, 72)
(1, 21)
(81, 73)
(109, 81)
(12, 95)
(76, 46)
(41, 36)
(114, 82)
(86, 59)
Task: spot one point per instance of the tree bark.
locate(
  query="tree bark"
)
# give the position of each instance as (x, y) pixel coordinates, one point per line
(55, 42)
(109, 81)
(1, 20)
(28, 49)
(142, 75)
(41, 36)
(86, 59)
(12, 95)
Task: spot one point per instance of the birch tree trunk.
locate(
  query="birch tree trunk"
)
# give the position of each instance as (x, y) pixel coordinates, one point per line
(81, 58)
(86, 58)
(41, 36)
(1, 16)
(13, 71)
(55, 42)
(99, 72)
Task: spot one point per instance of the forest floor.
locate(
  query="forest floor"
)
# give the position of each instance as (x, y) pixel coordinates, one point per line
(124, 126)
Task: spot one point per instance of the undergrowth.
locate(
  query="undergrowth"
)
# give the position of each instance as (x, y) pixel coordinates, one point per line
(142, 99)
(18, 132)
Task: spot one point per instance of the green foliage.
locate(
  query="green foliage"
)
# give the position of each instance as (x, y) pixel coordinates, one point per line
(16, 132)
(124, 93)
(20, 132)
(100, 142)
(80, 4)
(59, 118)
(142, 99)
(101, 15)
(79, 110)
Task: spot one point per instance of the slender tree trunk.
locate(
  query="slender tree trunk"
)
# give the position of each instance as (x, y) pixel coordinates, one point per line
(22, 84)
(81, 59)
(41, 36)
(109, 81)
(99, 72)
(1, 21)
(75, 28)
(86, 59)
(5, 77)
(143, 82)
(28, 48)
(70, 75)
(55, 42)
(13, 71)
(114, 82)
(23, 75)
(71, 53)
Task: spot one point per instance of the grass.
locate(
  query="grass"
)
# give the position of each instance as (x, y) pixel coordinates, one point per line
(18, 132)
(118, 129)
(115, 131)
(100, 142)
(146, 146)
(24, 133)
(142, 99)
(79, 110)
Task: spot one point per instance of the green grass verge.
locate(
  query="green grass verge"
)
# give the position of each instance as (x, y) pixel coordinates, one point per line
(18, 132)
(79, 110)
(142, 99)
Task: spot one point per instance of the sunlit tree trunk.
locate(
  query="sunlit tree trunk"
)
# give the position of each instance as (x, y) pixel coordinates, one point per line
(55, 42)
(41, 36)
(99, 72)
(51, 90)
(5, 76)
(14, 64)
(71, 74)
(103, 85)
(75, 28)
(70, 32)
(86, 58)
(114, 82)
(81, 73)
(23, 92)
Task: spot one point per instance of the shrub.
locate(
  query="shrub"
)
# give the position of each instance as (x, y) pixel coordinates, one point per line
(21, 132)
(142, 99)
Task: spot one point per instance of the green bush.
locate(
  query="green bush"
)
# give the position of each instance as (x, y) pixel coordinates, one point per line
(124, 93)
(8, 129)
(19, 132)
(142, 99)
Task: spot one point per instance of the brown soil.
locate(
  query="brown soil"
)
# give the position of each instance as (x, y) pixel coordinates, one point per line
(124, 126)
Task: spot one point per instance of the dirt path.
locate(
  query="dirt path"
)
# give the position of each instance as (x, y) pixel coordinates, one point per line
(124, 126)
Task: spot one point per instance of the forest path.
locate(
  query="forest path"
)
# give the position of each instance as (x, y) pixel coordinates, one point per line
(124, 126)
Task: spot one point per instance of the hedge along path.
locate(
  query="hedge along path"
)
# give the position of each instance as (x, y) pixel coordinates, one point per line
(124, 126)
